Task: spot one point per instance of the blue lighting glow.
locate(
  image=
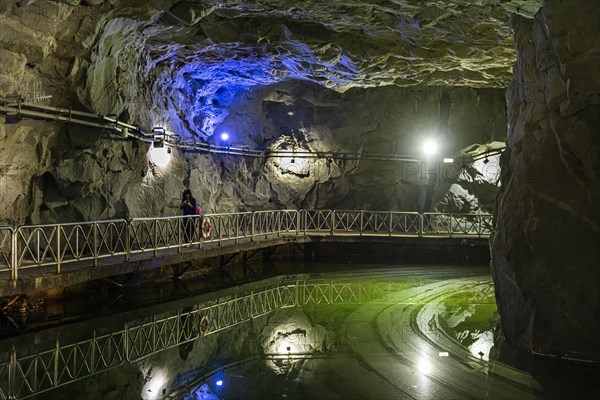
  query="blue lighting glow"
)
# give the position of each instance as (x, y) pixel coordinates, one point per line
(206, 90)
(225, 136)
(213, 79)
(220, 382)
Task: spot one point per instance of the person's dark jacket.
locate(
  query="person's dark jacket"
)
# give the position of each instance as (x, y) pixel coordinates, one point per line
(189, 210)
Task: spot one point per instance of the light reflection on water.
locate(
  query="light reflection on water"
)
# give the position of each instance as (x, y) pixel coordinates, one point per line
(471, 317)
(345, 335)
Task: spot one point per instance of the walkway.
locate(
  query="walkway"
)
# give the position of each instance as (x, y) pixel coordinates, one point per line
(37, 253)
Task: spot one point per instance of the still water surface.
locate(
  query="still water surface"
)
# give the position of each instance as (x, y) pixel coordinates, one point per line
(322, 332)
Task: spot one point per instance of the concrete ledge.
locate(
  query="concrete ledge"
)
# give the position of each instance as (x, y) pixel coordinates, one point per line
(144, 267)
(45, 279)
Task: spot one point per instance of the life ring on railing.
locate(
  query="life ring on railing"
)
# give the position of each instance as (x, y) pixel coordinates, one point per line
(205, 227)
(204, 325)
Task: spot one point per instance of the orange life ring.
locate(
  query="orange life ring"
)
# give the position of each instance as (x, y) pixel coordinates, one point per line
(206, 227)
(204, 325)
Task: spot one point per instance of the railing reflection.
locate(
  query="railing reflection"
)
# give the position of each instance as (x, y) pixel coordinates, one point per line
(6, 253)
(56, 363)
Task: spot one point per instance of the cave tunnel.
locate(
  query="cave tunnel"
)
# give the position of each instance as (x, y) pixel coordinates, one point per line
(387, 199)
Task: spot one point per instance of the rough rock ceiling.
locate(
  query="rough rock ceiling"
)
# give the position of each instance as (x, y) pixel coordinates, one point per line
(339, 43)
(192, 58)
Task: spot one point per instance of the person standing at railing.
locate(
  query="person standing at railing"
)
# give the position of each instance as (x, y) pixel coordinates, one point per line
(189, 205)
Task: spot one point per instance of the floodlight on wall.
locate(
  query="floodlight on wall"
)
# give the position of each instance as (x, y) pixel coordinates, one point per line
(224, 136)
(430, 147)
(159, 155)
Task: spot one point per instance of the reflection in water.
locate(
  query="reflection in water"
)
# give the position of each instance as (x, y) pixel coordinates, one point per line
(483, 344)
(203, 392)
(402, 333)
(153, 389)
(424, 365)
(290, 339)
(470, 317)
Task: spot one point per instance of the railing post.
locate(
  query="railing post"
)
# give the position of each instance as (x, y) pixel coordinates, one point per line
(77, 229)
(332, 227)
(12, 374)
(56, 360)
(93, 353)
(95, 243)
(362, 221)
(127, 240)
(220, 230)
(155, 239)
(126, 343)
(421, 224)
(58, 249)
(237, 227)
(391, 223)
(14, 258)
(305, 224)
(253, 231)
(179, 234)
(298, 223)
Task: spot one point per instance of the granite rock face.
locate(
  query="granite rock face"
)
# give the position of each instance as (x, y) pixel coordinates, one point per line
(196, 58)
(74, 174)
(275, 74)
(546, 252)
(337, 76)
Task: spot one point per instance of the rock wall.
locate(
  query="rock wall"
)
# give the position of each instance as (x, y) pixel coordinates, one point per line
(169, 64)
(545, 253)
(53, 172)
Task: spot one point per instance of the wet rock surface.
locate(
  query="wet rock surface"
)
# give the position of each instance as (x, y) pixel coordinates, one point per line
(545, 253)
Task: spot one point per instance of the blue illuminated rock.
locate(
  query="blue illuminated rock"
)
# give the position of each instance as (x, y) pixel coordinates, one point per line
(354, 75)
(198, 60)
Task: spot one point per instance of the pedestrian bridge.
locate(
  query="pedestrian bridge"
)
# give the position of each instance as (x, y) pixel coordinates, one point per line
(48, 248)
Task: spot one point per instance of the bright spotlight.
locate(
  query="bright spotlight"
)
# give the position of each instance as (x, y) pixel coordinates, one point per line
(224, 136)
(220, 382)
(159, 156)
(430, 147)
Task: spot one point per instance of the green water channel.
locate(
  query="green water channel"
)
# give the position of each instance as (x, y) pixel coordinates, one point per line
(336, 332)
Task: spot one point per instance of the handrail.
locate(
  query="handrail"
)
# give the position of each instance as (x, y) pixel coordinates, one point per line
(54, 245)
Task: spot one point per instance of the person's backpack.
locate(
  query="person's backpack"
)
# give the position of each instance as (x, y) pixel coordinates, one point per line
(198, 211)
